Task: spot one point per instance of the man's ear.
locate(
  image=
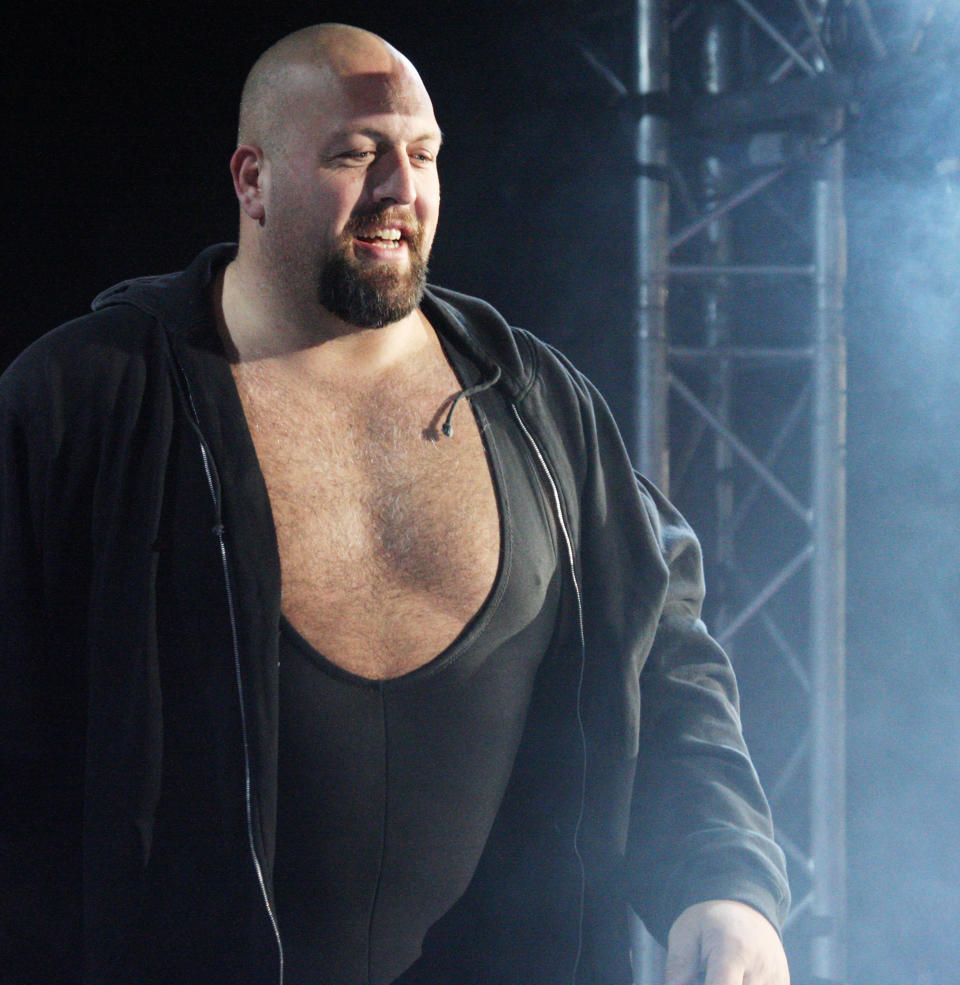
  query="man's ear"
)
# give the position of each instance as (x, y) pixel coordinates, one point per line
(247, 165)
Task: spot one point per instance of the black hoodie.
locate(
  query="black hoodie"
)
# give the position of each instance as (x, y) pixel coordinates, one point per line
(138, 651)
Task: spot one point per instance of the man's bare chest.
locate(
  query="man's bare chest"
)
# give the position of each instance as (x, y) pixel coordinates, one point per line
(388, 532)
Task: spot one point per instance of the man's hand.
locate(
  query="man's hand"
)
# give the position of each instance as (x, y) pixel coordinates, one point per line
(730, 942)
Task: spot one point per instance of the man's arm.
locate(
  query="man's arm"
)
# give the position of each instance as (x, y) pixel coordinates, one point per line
(700, 827)
(701, 834)
(40, 733)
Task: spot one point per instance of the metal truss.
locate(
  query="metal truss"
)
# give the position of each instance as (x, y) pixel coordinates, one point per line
(740, 386)
(749, 340)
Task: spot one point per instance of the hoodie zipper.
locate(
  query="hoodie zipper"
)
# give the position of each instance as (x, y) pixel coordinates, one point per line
(568, 542)
(219, 532)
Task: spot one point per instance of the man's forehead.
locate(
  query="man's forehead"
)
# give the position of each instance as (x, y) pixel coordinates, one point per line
(371, 93)
(361, 90)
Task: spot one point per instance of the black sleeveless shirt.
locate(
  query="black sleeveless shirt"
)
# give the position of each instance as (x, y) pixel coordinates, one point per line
(388, 789)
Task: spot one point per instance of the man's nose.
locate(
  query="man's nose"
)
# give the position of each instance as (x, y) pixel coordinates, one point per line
(393, 179)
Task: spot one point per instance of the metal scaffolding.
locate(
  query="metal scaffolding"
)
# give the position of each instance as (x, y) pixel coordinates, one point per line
(740, 271)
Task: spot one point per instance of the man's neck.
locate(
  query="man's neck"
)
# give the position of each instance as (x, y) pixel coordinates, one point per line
(312, 340)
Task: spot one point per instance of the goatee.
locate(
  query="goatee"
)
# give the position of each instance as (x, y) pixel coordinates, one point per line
(371, 296)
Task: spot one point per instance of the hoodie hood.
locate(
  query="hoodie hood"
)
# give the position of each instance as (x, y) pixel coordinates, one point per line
(179, 301)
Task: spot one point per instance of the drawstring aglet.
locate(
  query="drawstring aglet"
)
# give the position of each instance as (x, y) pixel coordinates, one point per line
(447, 426)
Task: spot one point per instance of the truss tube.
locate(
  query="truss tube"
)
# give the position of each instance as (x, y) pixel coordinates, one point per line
(767, 26)
(759, 468)
(717, 45)
(652, 211)
(780, 578)
(757, 354)
(828, 575)
(722, 208)
(797, 910)
(741, 270)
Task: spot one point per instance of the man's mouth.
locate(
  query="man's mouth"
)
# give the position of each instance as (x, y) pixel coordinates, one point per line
(389, 238)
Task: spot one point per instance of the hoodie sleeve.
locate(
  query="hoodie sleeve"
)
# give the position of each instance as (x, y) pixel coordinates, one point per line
(657, 686)
(84, 425)
(40, 696)
(700, 823)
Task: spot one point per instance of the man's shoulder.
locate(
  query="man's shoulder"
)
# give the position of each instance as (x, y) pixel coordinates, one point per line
(124, 331)
(89, 346)
(94, 372)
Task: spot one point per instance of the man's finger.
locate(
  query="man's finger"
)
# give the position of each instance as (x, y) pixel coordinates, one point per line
(683, 958)
(724, 969)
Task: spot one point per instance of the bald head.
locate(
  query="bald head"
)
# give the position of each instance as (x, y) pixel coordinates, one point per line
(336, 176)
(327, 56)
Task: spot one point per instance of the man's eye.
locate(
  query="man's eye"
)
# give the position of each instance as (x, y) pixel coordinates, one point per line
(358, 155)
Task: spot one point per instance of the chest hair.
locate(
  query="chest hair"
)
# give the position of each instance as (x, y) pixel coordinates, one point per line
(388, 532)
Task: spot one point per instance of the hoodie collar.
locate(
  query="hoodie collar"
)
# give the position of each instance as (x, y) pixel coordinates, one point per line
(180, 302)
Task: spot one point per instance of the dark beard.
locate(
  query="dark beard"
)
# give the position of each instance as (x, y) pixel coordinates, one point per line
(371, 297)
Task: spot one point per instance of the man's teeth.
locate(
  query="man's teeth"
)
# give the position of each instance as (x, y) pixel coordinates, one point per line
(387, 235)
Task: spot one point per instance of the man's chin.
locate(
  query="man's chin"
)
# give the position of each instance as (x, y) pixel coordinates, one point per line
(371, 295)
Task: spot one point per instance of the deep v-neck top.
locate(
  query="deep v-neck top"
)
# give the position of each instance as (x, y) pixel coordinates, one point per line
(388, 789)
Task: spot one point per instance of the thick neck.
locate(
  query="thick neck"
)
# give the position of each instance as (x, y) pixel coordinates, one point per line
(254, 326)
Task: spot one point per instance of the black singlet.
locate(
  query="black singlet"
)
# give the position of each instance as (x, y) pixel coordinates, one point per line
(388, 789)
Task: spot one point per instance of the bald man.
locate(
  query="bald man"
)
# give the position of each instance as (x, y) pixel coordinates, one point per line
(330, 606)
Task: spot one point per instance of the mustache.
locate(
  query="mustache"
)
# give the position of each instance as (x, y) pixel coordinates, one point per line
(367, 223)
